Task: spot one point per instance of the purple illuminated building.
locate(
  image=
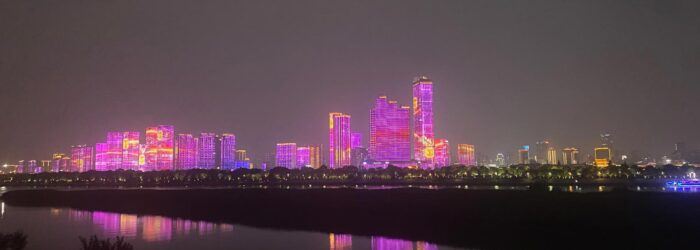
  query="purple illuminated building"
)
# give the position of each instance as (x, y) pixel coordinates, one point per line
(81, 158)
(389, 134)
(160, 142)
(228, 151)
(206, 151)
(303, 157)
(286, 155)
(185, 152)
(340, 147)
(355, 140)
(115, 150)
(423, 136)
(122, 151)
(101, 157)
(442, 153)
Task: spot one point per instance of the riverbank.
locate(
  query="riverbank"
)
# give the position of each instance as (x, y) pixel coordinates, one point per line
(475, 219)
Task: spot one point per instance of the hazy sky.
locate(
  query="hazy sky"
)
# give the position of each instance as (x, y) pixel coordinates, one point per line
(506, 73)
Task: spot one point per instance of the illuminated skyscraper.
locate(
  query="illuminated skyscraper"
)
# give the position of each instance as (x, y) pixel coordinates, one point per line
(466, 154)
(160, 148)
(355, 140)
(602, 156)
(389, 132)
(540, 154)
(242, 160)
(315, 156)
(56, 162)
(206, 151)
(286, 155)
(114, 150)
(186, 152)
(552, 155)
(570, 156)
(101, 157)
(32, 167)
(524, 155)
(500, 160)
(442, 153)
(423, 136)
(81, 158)
(130, 150)
(228, 151)
(303, 157)
(340, 146)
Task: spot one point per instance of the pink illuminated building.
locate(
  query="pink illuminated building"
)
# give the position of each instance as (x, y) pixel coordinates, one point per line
(442, 153)
(340, 147)
(389, 134)
(121, 151)
(101, 157)
(228, 151)
(206, 151)
(355, 140)
(81, 158)
(286, 155)
(185, 152)
(423, 136)
(303, 157)
(159, 148)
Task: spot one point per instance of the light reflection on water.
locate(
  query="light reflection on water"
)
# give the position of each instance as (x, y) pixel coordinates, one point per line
(60, 227)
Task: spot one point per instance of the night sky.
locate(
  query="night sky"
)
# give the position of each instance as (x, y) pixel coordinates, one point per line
(506, 73)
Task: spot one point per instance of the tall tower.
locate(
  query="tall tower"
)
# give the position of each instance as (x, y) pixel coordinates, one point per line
(303, 157)
(423, 136)
(442, 153)
(340, 147)
(389, 131)
(160, 142)
(206, 151)
(286, 155)
(81, 158)
(228, 151)
(186, 152)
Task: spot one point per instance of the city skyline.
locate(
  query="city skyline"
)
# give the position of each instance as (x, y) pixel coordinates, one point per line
(497, 91)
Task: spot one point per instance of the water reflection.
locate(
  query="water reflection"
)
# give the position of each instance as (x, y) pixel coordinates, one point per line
(340, 241)
(146, 227)
(383, 243)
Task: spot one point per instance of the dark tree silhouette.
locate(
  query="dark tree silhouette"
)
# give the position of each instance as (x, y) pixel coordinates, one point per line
(13, 241)
(95, 243)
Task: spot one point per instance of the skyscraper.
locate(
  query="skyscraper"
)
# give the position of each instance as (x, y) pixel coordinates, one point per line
(423, 136)
(101, 150)
(315, 156)
(389, 131)
(186, 152)
(339, 140)
(500, 160)
(56, 162)
(81, 158)
(303, 157)
(540, 154)
(602, 156)
(130, 150)
(286, 155)
(552, 155)
(160, 147)
(115, 150)
(466, 154)
(242, 160)
(122, 150)
(228, 151)
(355, 140)
(206, 151)
(524, 155)
(570, 156)
(442, 153)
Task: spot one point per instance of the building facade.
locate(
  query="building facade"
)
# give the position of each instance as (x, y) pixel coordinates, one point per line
(340, 148)
(423, 135)
(389, 131)
(286, 155)
(228, 151)
(466, 154)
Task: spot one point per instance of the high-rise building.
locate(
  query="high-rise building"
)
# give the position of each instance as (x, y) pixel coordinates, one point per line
(524, 155)
(389, 131)
(500, 160)
(185, 152)
(33, 167)
(315, 156)
(101, 159)
(540, 154)
(339, 140)
(206, 151)
(355, 140)
(602, 156)
(122, 150)
(56, 162)
(552, 155)
(115, 150)
(286, 155)
(242, 160)
(466, 154)
(81, 158)
(442, 153)
(160, 148)
(130, 146)
(423, 136)
(570, 156)
(228, 151)
(303, 157)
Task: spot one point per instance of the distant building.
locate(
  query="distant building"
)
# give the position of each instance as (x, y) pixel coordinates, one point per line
(552, 155)
(159, 153)
(466, 154)
(228, 151)
(81, 158)
(442, 153)
(570, 156)
(315, 156)
(390, 139)
(500, 160)
(56, 162)
(359, 156)
(339, 140)
(186, 152)
(423, 136)
(602, 156)
(540, 153)
(242, 160)
(206, 151)
(303, 157)
(101, 158)
(286, 155)
(524, 155)
(355, 140)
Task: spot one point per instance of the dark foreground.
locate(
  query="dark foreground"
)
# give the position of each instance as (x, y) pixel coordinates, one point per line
(478, 219)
